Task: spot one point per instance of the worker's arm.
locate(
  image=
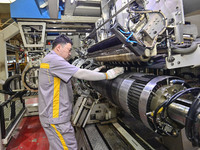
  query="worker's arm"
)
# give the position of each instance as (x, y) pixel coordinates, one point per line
(89, 75)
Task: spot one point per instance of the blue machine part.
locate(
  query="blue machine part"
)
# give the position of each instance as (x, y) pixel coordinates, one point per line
(30, 9)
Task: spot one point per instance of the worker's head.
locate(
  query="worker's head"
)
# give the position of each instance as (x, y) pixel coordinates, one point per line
(62, 46)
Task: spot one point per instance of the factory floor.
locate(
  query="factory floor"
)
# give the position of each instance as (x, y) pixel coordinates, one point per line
(29, 135)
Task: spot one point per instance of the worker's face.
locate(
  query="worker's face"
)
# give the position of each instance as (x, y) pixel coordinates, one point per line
(65, 50)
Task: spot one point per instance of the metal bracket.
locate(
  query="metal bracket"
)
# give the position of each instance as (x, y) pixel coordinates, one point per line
(34, 29)
(186, 60)
(87, 111)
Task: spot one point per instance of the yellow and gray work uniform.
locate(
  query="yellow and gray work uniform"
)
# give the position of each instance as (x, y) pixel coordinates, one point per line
(55, 101)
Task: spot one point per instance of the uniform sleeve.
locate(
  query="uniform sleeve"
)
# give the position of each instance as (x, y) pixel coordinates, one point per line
(89, 75)
(62, 69)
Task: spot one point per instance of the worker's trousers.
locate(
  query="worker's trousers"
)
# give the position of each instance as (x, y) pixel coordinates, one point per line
(60, 136)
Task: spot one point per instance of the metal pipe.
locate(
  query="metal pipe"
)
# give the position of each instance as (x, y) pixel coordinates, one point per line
(188, 50)
(177, 112)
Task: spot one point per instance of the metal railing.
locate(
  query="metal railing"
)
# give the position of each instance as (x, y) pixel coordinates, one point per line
(11, 112)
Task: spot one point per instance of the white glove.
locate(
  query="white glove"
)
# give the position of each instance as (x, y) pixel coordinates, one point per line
(99, 68)
(113, 73)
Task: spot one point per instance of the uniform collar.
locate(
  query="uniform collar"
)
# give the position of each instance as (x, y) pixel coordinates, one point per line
(53, 52)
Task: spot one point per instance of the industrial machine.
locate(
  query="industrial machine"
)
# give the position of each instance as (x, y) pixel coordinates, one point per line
(157, 43)
(159, 49)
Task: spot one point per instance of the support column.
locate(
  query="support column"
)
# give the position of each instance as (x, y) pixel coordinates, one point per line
(5, 35)
(3, 63)
(3, 59)
(1, 144)
(2, 76)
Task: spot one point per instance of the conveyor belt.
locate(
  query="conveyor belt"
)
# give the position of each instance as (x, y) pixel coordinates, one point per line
(95, 138)
(113, 139)
(113, 136)
(105, 137)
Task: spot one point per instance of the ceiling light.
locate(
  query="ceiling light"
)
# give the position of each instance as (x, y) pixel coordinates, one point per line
(69, 33)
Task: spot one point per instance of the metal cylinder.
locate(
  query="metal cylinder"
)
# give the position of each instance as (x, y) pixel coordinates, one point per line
(177, 112)
(126, 57)
(137, 94)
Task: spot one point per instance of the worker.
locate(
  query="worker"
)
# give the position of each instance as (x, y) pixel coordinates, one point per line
(56, 95)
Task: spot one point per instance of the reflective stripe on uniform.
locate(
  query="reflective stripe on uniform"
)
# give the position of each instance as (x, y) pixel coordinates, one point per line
(60, 137)
(44, 65)
(56, 94)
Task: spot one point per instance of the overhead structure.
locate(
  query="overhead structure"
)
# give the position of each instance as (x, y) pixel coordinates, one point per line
(156, 41)
(58, 13)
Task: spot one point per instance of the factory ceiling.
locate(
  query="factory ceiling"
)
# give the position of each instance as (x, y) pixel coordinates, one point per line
(82, 11)
(78, 17)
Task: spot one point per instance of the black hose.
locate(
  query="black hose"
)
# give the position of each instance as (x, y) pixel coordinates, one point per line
(166, 104)
(192, 124)
(6, 85)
